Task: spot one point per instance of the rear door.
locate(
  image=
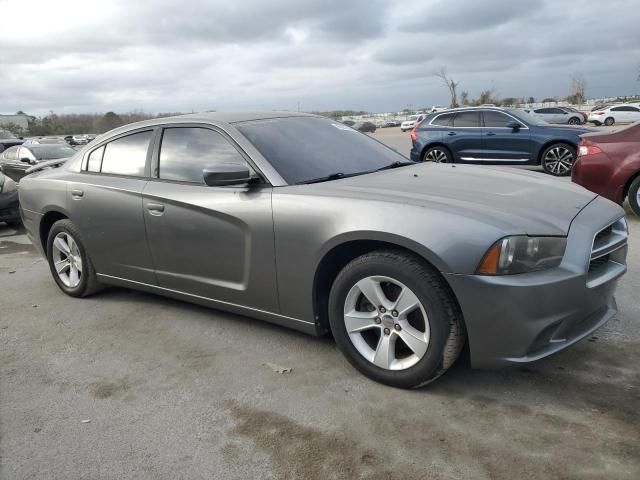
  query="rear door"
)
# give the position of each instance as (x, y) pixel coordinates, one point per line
(105, 203)
(501, 143)
(465, 138)
(213, 242)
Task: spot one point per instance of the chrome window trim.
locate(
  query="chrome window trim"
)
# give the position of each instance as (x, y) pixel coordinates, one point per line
(523, 127)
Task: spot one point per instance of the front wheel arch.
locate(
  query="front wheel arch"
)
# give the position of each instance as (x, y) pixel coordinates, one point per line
(553, 142)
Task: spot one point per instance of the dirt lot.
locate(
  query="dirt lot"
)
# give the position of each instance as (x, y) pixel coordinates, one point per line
(130, 385)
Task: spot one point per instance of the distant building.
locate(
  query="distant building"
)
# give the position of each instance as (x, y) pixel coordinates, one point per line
(19, 119)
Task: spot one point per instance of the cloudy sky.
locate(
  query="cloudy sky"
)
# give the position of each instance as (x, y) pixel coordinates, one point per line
(376, 55)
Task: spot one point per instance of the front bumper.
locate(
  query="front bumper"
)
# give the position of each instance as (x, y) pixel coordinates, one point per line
(516, 319)
(9, 206)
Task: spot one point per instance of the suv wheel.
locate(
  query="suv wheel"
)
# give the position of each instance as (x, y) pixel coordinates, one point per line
(70, 265)
(395, 320)
(557, 159)
(437, 154)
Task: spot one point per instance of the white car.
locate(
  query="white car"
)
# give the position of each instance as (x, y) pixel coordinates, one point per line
(615, 114)
(411, 121)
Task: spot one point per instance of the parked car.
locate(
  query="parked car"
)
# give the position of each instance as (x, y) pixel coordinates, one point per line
(411, 121)
(615, 114)
(583, 115)
(16, 160)
(8, 139)
(9, 212)
(559, 115)
(393, 123)
(498, 136)
(368, 127)
(301, 221)
(609, 165)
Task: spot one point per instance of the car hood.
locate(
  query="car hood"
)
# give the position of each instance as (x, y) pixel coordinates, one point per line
(515, 201)
(571, 128)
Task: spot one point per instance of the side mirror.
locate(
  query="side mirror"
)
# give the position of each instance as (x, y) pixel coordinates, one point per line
(514, 125)
(27, 160)
(223, 174)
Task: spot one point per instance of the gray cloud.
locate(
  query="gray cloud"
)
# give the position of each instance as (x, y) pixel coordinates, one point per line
(163, 55)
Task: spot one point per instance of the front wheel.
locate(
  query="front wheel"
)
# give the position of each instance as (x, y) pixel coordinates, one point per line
(557, 159)
(69, 262)
(634, 196)
(574, 121)
(437, 154)
(395, 320)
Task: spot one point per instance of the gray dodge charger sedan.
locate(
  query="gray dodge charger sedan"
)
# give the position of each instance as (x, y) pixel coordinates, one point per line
(304, 222)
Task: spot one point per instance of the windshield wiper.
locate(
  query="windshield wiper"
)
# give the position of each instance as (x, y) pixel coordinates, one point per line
(394, 165)
(333, 176)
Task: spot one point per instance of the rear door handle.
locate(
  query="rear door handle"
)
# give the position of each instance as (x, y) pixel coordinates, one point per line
(451, 134)
(490, 134)
(75, 193)
(155, 208)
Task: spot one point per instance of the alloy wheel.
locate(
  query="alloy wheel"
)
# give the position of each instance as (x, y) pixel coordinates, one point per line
(67, 259)
(559, 160)
(437, 156)
(386, 323)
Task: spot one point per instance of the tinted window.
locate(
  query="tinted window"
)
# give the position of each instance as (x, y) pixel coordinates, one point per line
(185, 152)
(543, 110)
(302, 149)
(95, 160)
(443, 120)
(496, 119)
(127, 155)
(467, 119)
(52, 152)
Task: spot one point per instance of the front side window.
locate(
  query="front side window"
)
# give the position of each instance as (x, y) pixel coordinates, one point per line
(467, 119)
(186, 151)
(127, 155)
(496, 119)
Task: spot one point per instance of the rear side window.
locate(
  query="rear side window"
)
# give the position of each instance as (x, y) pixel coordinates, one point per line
(127, 155)
(443, 120)
(467, 119)
(95, 160)
(185, 152)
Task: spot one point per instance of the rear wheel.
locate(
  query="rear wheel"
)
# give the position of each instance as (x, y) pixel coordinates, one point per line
(437, 154)
(69, 263)
(609, 121)
(394, 319)
(558, 159)
(634, 196)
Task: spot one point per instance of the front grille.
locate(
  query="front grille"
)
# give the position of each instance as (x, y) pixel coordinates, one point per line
(608, 253)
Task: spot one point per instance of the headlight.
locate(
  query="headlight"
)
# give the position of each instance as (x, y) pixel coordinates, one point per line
(521, 254)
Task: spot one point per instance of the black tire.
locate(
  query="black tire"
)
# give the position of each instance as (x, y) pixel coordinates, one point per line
(609, 121)
(548, 166)
(434, 151)
(633, 196)
(574, 121)
(88, 281)
(447, 333)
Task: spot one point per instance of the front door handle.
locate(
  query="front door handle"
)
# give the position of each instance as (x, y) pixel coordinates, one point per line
(451, 134)
(155, 208)
(75, 193)
(490, 134)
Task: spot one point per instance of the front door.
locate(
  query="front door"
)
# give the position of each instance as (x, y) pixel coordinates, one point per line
(213, 242)
(501, 143)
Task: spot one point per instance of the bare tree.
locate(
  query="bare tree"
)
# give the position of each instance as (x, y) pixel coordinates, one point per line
(464, 97)
(450, 84)
(578, 88)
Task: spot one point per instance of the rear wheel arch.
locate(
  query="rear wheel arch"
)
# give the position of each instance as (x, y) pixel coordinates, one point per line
(46, 223)
(340, 255)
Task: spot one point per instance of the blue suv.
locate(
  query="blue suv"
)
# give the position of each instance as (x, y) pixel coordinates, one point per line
(495, 136)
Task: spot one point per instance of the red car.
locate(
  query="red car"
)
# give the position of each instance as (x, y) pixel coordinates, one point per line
(609, 165)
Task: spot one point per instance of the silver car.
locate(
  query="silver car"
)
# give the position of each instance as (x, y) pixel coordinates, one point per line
(307, 223)
(559, 115)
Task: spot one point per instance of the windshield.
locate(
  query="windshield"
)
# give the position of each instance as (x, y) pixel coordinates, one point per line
(526, 117)
(302, 148)
(51, 152)
(4, 134)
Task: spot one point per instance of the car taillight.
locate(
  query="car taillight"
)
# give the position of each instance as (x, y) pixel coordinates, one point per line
(414, 136)
(584, 150)
(598, 113)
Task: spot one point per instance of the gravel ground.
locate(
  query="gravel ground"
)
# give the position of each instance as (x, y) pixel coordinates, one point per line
(130, 385)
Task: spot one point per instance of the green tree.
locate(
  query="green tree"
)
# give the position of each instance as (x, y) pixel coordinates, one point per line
(110, 121)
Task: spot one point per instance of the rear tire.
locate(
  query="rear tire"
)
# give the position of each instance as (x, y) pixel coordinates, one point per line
(437, 154)
(609, 121)
(634, 196)
(69, 262)
(373, 338)
(558, 159)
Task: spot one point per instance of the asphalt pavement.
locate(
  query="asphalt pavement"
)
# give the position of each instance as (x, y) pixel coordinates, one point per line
(128, 385)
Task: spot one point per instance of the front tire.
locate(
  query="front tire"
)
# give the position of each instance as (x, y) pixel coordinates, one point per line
(69, 262)
(574, 121)
(395, 319)
(558, 159)
(634, 196)
(609, 121)
(437, 154)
